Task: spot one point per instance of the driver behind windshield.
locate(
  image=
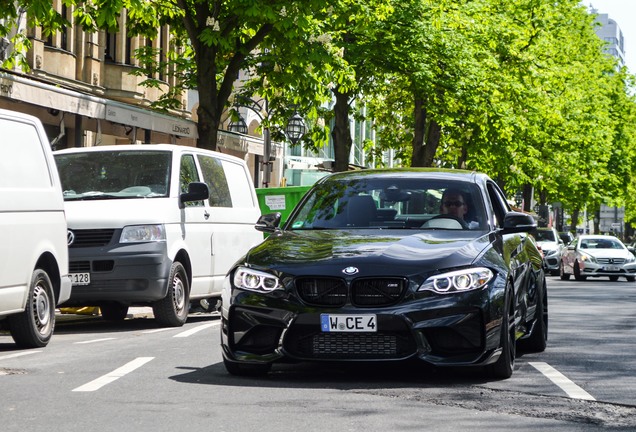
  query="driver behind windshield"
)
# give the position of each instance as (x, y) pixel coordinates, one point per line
(454, 204)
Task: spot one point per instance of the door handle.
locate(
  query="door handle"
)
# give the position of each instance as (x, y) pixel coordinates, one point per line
(206, 215)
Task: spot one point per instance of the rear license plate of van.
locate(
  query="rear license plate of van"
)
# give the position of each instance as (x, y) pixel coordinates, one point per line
(348, 323)
(80, 278)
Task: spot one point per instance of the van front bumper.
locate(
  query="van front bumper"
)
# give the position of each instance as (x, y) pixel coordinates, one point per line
(131, 273)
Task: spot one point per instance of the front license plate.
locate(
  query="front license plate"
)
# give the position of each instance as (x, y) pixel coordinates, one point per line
(348, 323)
(80, 278)
(612, 268)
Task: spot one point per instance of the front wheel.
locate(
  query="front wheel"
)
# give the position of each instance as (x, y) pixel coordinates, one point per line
(577, 272)
(33, 327)
(630, 278)
(613, 278)
(505, 364)
(172, 310)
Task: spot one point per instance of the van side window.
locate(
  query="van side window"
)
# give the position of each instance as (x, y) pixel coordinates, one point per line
(17, 171)
(188, 174)
(214, 177)
(239, 184)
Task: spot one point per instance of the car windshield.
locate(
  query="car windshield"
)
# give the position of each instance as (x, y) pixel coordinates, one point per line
(545, 235)
(601, 244)
(114, 174)
(390, 203)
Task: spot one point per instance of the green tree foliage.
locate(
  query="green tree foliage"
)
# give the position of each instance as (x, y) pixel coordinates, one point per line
(519, 89)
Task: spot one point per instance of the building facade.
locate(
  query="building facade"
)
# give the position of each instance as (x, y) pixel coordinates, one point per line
(80, 86)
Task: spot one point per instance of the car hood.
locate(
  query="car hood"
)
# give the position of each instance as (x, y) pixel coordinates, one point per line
(608, 253)
(371, 252)
(548, 245)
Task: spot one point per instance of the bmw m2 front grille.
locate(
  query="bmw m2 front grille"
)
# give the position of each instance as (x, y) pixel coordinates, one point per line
(334, 292)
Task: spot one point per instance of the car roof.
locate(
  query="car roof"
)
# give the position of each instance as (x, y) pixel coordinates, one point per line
(429, 173)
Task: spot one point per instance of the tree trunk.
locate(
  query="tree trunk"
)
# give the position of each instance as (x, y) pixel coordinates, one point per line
(575, 220)
(341, 133)
(426, 136)
(208, 112)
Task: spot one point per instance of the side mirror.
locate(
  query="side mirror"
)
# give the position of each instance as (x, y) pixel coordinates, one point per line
(515, 222)
(197, 191)
(268, 222)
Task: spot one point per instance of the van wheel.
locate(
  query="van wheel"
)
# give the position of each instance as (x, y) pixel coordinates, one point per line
(172, 310)
(33, 327)
(113, 311)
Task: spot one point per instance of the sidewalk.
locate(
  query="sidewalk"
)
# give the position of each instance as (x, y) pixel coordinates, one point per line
(133, 312)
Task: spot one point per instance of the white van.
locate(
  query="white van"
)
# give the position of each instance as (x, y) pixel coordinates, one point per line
(33, 251)
(154, 224)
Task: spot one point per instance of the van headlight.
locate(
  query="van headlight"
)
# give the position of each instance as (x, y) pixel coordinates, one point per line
(458, 281)
(143, 233)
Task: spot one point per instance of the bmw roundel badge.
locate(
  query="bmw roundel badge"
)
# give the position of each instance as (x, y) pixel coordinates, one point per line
(350, 270)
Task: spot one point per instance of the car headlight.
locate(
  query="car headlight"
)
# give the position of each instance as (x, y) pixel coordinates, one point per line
(630, 258)
(255, 280)
(587, 257)
(143, 233)
(458, 281)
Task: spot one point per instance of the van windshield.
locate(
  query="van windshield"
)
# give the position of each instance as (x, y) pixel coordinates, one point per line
(114, 174)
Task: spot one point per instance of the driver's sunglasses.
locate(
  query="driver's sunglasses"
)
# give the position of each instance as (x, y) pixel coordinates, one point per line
(453, 203)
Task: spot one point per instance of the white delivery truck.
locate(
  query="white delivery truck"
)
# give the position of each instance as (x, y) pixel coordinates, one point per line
(33, 251)
(154, 224)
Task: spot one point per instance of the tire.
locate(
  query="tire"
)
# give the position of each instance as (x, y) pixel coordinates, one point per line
(564, 276)
(630, 278)
(613, 278)
(555, 272)
(113, 311)
(505, 364)
(577, 272)
(33, 327)
(538, 339)
(172, 310)
(246, 369)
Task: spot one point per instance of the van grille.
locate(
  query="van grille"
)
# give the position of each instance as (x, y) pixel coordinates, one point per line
(90, 237)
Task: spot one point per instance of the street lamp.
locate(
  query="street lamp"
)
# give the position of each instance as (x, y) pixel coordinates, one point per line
(294, 131)
(238, 126)
(295, 128)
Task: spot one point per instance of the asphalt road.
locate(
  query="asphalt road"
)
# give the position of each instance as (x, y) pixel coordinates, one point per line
(134, 375)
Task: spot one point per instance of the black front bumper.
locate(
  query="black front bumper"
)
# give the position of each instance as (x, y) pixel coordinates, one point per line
(440, 330)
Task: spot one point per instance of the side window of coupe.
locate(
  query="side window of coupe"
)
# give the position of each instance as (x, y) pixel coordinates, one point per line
(499, 207)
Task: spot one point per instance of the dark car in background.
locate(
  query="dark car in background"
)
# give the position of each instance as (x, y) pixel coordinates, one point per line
(368, 269)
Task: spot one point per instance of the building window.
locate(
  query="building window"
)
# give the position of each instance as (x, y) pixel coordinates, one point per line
(111, 45)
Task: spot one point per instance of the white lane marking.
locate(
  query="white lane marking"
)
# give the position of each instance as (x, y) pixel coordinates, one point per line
(100, 382)
(20, 354)
(94, 340)
(157, 330)
(196, 329)
(571, 389)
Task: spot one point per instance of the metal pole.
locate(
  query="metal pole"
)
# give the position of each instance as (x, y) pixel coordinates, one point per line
(267, 152)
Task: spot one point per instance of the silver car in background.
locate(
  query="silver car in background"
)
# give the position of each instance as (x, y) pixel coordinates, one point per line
(597, 255)
(552, 247)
